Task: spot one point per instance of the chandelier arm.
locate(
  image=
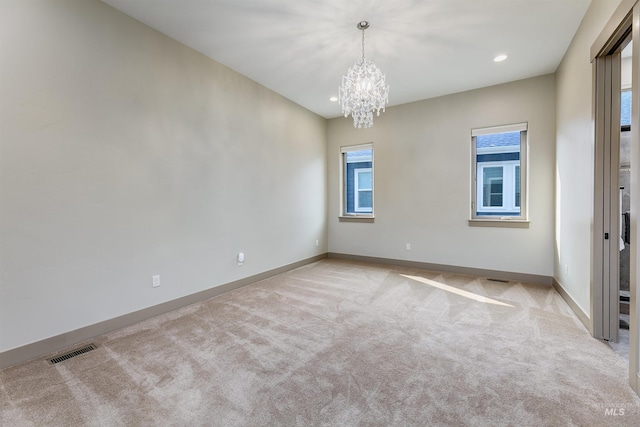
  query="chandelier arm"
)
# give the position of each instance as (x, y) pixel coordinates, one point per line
(363, 45)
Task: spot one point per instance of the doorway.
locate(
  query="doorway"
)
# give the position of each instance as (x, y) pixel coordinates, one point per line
(624, 208)
(617, 150)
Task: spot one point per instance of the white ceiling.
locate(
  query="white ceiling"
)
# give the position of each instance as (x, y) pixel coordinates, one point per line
(426, 48)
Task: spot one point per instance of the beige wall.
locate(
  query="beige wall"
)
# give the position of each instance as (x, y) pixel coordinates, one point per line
(422, 173)
(575, 157)
(124, 154)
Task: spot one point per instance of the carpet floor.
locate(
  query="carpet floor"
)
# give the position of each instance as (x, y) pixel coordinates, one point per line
(339, 343)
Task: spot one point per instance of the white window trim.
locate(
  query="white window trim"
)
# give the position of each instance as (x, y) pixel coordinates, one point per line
(518, 127)
(502, 221)
(357, 189)
(365, 216)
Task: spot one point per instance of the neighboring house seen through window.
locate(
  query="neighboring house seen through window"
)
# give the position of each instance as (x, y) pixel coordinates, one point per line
(499, 167)
(357, 180)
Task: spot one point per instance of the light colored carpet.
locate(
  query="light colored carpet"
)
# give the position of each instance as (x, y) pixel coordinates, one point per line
(622, 346)
(339, 343)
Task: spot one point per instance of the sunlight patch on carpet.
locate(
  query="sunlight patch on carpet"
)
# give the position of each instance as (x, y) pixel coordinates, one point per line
(456, 291)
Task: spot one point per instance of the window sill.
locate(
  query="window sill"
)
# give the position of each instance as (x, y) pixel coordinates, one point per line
(356, 218)
(506, 223)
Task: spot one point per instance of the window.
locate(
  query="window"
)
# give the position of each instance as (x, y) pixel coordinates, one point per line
(625, 109)
(357, 180)
(499, 172)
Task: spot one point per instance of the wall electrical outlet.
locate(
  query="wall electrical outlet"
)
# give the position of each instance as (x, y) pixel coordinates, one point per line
(408, 246)
(317, 242)
(566, 269)
(156, 281)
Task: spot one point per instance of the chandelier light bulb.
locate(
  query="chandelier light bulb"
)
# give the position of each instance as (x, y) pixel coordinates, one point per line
(364, 89)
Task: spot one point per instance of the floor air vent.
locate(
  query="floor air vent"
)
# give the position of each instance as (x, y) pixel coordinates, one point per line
(71, 354)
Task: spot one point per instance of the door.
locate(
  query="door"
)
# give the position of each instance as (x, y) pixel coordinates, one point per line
(606, 233)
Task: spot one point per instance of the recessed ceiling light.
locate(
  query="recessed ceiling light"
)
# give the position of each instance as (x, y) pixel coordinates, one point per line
(333, 99)
(500, 58)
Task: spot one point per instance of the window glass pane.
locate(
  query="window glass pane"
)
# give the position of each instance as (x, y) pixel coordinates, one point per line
(358, 181)
(365, 199)
(492, 182)
(518, 186)
(498, 143)
(359, 156)
(497, 163)
(625, 108)
(364, 180)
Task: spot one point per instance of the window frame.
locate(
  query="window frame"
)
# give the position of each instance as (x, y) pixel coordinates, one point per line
(508, 187)
(362, 215)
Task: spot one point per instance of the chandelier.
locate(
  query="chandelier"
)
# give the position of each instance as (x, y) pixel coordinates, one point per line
(363, 89)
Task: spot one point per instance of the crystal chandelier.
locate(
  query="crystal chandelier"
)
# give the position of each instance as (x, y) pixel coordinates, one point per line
(363, 89)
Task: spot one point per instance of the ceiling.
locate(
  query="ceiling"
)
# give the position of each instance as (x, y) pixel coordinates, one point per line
(426, 48)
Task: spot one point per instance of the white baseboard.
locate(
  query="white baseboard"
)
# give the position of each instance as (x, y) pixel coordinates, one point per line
(480, 272)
